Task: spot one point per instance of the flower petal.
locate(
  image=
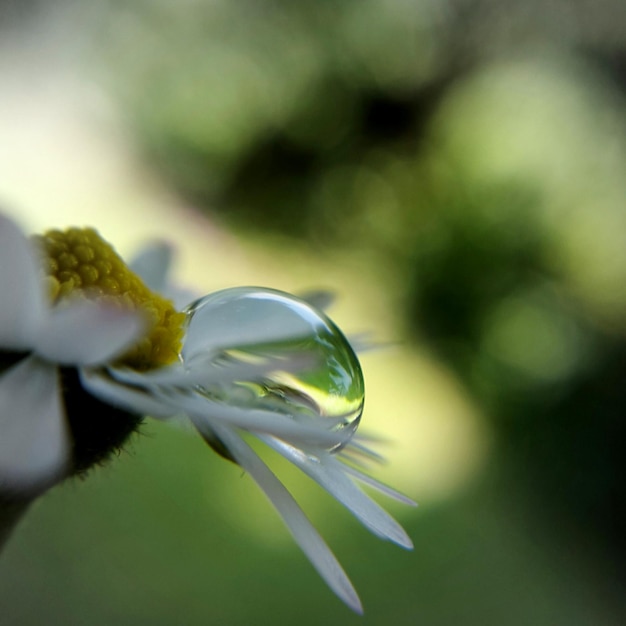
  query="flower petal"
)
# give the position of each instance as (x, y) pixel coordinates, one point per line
(304, 533)
(363, 342)
(21, 304)
(34, 442)
(329, 473)
(321, 299)
(204, 372)
(87, 333)
(152, 264)
(360, 454)
(280, 425)
(132, 399)
(138, 394)
(376, 484)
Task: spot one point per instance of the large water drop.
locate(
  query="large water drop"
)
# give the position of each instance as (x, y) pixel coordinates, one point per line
(314, 371)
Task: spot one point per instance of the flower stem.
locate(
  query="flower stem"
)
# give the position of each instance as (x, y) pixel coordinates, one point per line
(11, 511)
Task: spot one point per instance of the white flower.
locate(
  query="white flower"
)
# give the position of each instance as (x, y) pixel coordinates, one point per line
(35, 340)
(206, 384)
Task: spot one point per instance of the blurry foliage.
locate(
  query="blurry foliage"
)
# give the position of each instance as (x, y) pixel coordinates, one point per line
(350, 124)
(250, 108)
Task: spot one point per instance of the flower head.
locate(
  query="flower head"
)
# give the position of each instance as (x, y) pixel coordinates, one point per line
(241, 362)
(37, 340)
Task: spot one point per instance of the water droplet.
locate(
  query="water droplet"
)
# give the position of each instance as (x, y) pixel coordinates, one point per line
(314, 370)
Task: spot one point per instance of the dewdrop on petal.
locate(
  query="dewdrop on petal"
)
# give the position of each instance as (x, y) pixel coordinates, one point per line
(315, 373)
(253, 324)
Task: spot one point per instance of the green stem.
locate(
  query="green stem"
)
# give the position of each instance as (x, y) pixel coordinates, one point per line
(11, 511)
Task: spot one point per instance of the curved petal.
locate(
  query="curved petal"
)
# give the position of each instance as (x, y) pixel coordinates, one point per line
(152, 264)
(34, 442)
(180, 296)
(279, 425)
(132, 399)
(205, 372)
(363, 342)
(87, 333)
(22, 304)
(329, 473)
(321, 299)
(303, 532)
(360, 454)
(376, 484)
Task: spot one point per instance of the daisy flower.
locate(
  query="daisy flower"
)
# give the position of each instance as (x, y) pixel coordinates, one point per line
(87, 348)
(36, 342)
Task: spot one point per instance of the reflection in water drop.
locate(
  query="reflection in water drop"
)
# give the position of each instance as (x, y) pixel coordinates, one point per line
(314, 370)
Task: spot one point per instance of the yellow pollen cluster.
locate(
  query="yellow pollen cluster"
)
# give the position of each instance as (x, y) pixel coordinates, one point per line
(78, 262)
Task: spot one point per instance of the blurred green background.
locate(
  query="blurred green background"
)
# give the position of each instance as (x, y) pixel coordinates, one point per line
(456, 172)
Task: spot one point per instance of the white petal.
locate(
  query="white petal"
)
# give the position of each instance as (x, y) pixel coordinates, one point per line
(34, 443)
(140, 395)
(205, 372)
(361, 454)
(321, 299)
(180, 296)
(87, 333)
(300, 527)
(375, 484)
(21, 292)
(152, 264)
(257, 421)
(363, 342)
(325, 470)
(132, 399)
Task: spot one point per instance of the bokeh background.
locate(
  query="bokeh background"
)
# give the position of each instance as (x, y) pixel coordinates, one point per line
(455, 171)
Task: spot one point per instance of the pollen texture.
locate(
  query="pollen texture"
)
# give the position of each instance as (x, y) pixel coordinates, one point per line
(79, 263)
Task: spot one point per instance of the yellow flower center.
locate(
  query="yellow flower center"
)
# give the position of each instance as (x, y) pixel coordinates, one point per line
(79, 263)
